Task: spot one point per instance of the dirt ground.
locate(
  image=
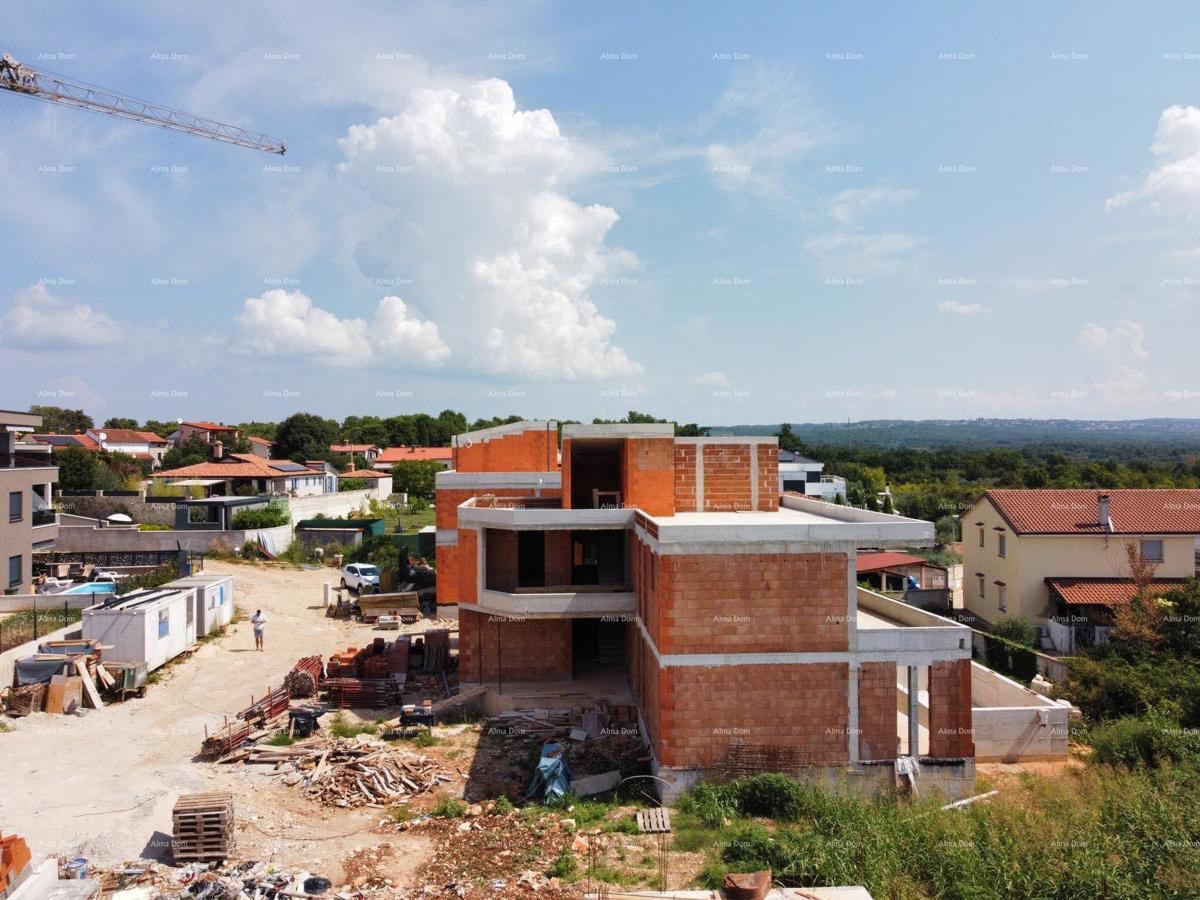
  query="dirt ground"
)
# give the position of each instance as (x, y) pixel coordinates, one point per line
(102, 786)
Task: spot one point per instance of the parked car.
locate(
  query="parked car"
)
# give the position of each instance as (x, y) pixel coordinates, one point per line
(361, 577)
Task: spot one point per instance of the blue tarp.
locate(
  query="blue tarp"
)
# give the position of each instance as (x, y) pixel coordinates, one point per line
(37, 669)
(552, 779)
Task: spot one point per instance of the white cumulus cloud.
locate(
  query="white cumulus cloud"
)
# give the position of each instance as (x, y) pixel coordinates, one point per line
(848, 206)
(1126, 339)
(288, 323)
(1175, 182)
(39, 320)
(467, 196)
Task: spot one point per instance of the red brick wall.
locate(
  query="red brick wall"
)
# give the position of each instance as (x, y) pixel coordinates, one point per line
(768, 477)
(558, 557)
(727, 477)
(702, 711)
(950, 729)
(649, 475)
(529, 451)
(566, 473)
(468, 554)
(528, 650)
(749, 603)
(877, 721)
(685, 477)
(500, 561)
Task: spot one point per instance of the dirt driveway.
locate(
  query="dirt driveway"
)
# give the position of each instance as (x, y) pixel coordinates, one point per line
(102, 786)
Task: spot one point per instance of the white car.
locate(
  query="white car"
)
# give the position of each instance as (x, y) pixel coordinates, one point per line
(361, 577)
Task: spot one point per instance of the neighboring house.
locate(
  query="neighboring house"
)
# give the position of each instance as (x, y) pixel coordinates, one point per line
(65, 441)
(260, 447)
(27, 479)
(892, 571)
(1023, 548)
(329, 472)
(207, 432)
(377, 482)
(672, 569)
(143, 445)
(392, 455)
(245, 473)
(803, 475)
(1084, 608)
(364, 453)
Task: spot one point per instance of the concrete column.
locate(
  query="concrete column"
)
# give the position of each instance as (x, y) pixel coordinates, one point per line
(914, 711)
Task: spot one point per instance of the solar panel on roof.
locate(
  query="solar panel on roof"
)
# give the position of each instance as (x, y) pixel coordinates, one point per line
(288, 467)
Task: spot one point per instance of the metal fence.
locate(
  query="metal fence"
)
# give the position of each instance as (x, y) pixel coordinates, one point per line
(21, 627)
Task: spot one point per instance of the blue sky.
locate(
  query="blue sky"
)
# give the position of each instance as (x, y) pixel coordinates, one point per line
(712, 212)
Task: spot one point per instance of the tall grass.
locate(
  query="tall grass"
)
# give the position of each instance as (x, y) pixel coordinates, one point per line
(1095, 833)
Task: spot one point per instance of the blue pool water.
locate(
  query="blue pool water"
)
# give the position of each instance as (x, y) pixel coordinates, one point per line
(91, 588)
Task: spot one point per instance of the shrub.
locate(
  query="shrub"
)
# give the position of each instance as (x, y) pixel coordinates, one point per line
(1017, 629)
(564, 865)
(1149, 741)
(270, 516)
(449, 808)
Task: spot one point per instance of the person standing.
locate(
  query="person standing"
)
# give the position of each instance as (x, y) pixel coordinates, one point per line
(259, 621)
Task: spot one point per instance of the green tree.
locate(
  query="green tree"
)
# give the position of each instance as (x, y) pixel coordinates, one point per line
(945, 530)
(161, 428)
(265, 430)
(303, 436)
(691, 429)
(1017, 629)
(57, 420)
(119, 422)
(415, 477)
(76, 469)
(192, 451)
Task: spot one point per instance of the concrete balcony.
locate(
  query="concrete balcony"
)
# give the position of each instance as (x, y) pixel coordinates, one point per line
(893, 630)
(566, 602)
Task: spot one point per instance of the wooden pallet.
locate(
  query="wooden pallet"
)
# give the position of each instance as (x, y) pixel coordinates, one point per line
(654, 821)
(202, 825)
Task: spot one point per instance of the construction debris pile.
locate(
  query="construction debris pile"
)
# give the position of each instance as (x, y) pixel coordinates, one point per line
(371, 677)
(62, 677)
(351, 772)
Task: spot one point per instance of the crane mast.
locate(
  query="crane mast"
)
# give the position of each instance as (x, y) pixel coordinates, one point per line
(22, 79)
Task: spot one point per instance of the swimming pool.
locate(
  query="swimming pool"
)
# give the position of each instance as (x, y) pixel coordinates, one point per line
(92, 587)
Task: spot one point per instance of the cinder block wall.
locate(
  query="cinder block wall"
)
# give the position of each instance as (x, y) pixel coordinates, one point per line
(491, 648)
(950, 728)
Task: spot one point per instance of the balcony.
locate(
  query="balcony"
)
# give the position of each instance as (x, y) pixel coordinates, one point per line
(26, 460)
(43, 517)
(588, 601)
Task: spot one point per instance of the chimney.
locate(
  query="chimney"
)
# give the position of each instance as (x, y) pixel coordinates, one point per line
(1103, 515)
(218, 449)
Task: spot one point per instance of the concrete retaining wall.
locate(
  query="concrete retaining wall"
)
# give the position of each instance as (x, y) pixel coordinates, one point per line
(135, 507)
(1012, 723)
(98, 540)
(332, 505)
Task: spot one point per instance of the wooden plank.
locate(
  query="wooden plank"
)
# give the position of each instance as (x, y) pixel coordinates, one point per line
(73, 694)
(654, 821)
(91, 694)
(107, 680)
(55, 693)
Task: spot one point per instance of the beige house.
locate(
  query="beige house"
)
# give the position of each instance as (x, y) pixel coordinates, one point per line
(27, 478)
(1053, 556)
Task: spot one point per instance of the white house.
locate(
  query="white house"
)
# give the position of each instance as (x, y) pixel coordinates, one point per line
(144, 445)
(803, 476)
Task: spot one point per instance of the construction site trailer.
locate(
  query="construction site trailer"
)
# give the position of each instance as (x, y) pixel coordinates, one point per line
(214, 600)
(148, 626)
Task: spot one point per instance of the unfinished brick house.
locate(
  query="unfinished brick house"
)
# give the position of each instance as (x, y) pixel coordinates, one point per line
(673, 567)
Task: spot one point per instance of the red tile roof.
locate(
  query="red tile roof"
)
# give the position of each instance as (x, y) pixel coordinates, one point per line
(363, 473)
(262, 442)
(1106, 591)
(237, 465)
(1133, 511)
(211, 426)
(399, 454)
(66, 440)
(129, 436)
(875, 562)
(352, 448)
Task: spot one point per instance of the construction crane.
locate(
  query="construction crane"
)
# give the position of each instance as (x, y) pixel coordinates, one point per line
(22, 79)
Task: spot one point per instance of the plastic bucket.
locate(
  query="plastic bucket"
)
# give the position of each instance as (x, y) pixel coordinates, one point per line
(77, 868)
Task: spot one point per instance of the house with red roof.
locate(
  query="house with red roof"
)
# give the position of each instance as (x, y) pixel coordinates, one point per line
(245, 473)
(207, 432)
(891, 570)
(365, 453)
(1062, 557)
(144, 445)
(392, 455)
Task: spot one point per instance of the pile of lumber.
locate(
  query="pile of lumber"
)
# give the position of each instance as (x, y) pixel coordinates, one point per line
(273, 705)
(258, 715)
(224, 740)
(351, 772)
(202, 825)
(26, 699)
(305, 678)
(566, 724)
(362, 693)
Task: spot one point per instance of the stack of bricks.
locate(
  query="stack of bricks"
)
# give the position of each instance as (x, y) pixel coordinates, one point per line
(877, 695)
(951, 734)
(14, 863)
(343, 664)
